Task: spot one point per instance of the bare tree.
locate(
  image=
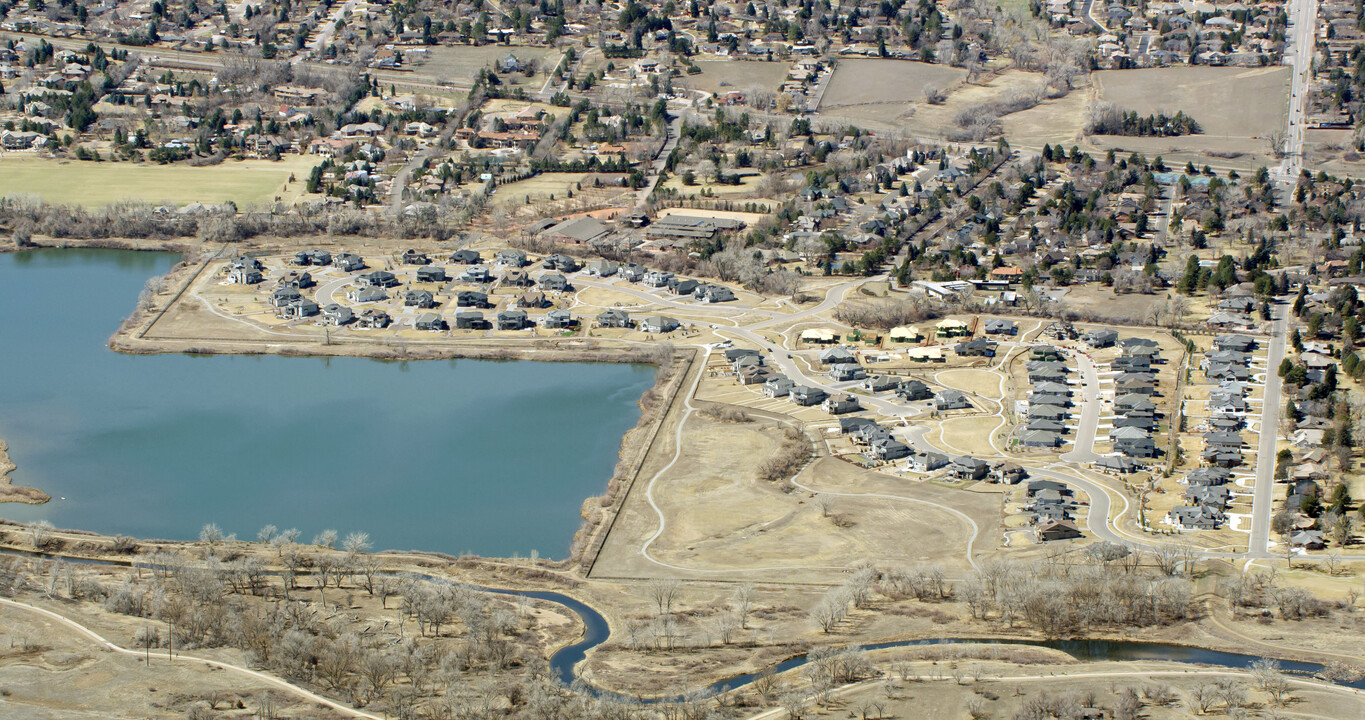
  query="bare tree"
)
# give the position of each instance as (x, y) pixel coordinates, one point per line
(664, 593)
(742, 602)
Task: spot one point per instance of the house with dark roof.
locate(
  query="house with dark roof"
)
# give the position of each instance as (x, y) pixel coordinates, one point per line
(846, 371)
(512, 320)
(470, 320)
(431, 274)
(471, 298)
(913, 390)
(612, 317)
(466, 257)
(968, 468)
(1056, 529)
(804, 395)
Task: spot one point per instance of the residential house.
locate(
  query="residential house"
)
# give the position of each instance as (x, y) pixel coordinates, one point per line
(950, 400)
(847, 371)
(924, 462)
(1101, 338)
(429, 321)
(471, 298)
(558, 319)
(466, 257)
(777, 387)
(419, 298)
(659, 324)
(996, 326)
(840, 403)
(366, 295)
(968, 468)
(431, 275)
(512, 320)
(805, 396)
(378, 278)
(334, 314)
(1056, 529)
(913, 390)
(614, 318)
(469, 320)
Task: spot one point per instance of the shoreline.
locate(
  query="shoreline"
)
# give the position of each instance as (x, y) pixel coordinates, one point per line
(11, 493)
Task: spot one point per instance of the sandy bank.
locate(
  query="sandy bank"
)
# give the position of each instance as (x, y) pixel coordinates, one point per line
(9, 492)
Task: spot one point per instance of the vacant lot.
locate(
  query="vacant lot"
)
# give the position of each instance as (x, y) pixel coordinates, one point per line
(856, 82)
(249, 182)
(548, 186)
(463, 62)
(1237, 108)
(721, 76)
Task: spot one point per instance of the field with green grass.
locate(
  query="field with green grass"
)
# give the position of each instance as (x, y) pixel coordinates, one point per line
(249, 182)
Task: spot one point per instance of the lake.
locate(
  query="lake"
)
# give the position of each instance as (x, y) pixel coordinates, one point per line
(492, 458)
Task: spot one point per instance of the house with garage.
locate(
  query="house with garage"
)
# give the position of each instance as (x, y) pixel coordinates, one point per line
(470, 320)
(557, 319)
(950, 327)
(659, 324)
(476, 274)
(431, 274)
(806, 396)
(1117, 465)
(840, 403)
(997, 326)
(880, 383)
(713, 293)
(837, 356)
(1051, 530)
(466, 257)
(844, 372)
(1101, 338)
(366, 295)
(602, 268)
(631, 272)
(300, 308)
(415, 257)
(348, 262)
(979, 347)
(378, 278)
(926, 461)
(554, 282)
(1133, 442)
(1040, 439)
(1196, 517)
(913, 390)
(334, 314)
(562, 263)
(968, 468)
(949, 399)
(531, 300)
(512, 320)
(614, 318)
(471, 298)
(374, 319)
(776, 387)
(419, 298)
(1235, 343)
(429, 321)
(511, 257)
(888, 449)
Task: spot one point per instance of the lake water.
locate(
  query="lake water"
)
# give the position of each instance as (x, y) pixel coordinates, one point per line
(493, 458)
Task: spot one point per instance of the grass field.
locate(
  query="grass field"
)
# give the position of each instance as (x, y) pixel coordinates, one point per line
(886, 81)
(249, 182)
(538, 188)
(462, 62)
(721, 76)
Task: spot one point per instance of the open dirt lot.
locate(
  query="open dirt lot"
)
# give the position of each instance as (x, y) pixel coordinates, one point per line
(858, 82)
(249, 182)
(723, 522)
(722, 76)
(1237, 107)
